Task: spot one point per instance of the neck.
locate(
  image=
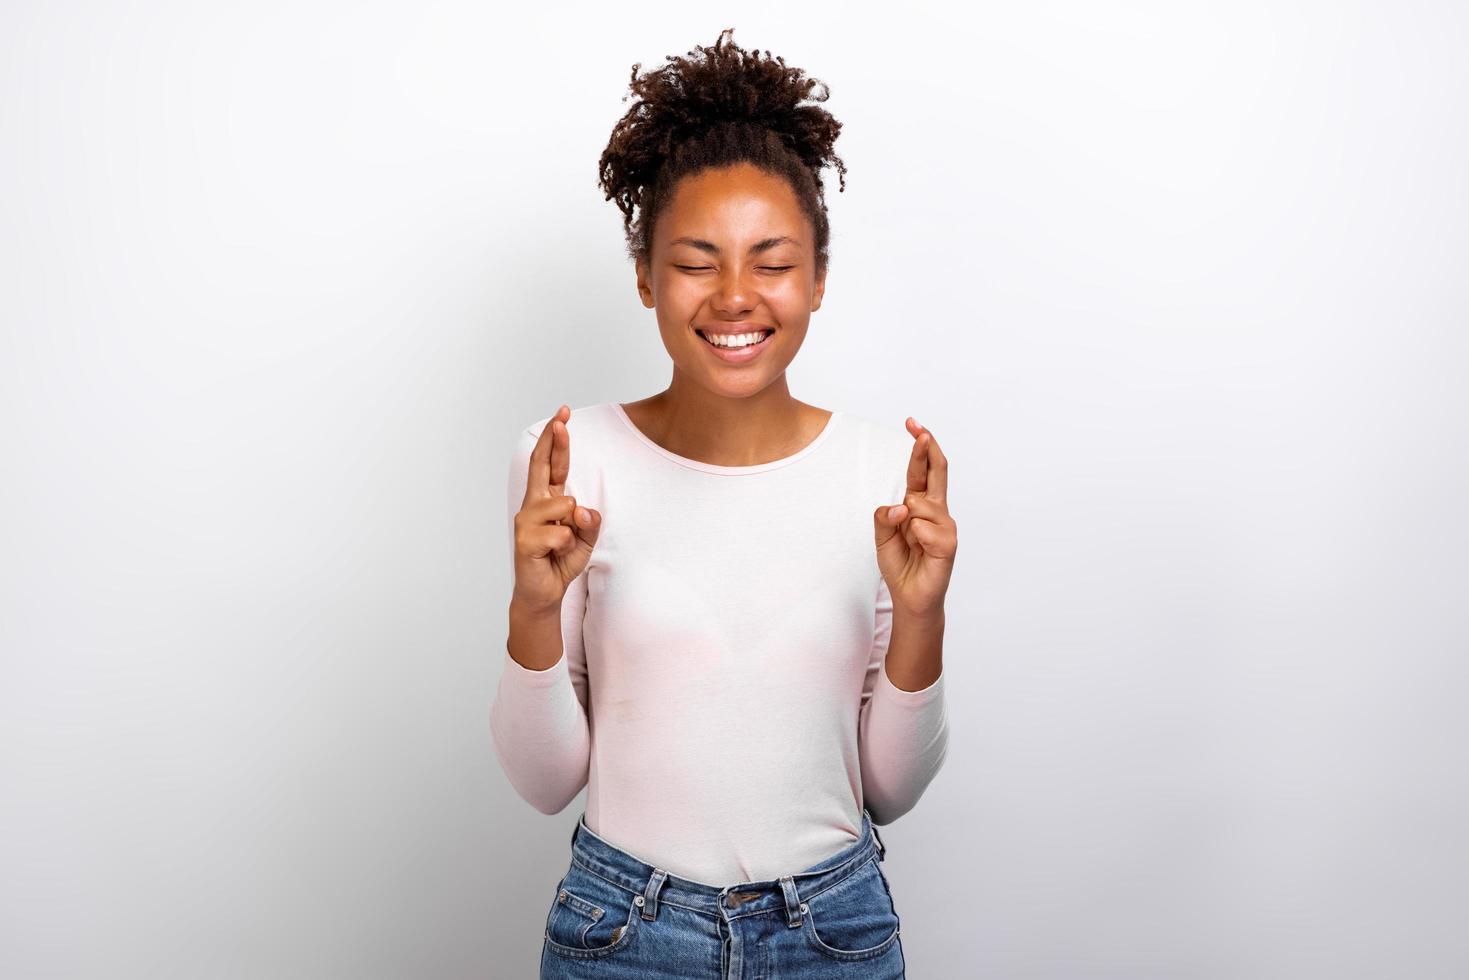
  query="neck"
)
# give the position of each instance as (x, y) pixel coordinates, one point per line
(699, 424)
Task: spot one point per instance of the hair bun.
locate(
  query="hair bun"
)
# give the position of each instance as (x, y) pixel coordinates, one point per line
(723, 84)
(711, 107)
(729, 84)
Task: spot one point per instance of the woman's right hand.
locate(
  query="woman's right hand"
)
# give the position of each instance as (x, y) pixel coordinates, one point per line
(554, 536)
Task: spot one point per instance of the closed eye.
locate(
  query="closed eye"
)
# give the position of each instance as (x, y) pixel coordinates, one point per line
(705, 268)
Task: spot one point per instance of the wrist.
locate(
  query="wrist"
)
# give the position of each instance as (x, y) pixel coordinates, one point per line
(919, 621)
(534, 613)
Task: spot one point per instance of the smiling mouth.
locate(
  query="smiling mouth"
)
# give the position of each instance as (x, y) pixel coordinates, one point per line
(764, 336)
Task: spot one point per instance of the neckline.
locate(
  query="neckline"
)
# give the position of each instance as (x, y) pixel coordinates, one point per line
(715, 468)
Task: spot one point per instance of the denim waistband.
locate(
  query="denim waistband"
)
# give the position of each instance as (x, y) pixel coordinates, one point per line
(601, 857)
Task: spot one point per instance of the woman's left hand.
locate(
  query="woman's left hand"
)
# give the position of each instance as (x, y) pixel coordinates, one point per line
(916, 545)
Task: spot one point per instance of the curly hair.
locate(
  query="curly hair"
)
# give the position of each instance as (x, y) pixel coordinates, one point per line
(719, 106)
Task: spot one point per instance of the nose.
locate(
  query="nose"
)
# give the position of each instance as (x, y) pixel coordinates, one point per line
(732, 294)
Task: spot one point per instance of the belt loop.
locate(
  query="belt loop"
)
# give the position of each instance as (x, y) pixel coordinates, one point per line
(882, 850)
(649, 898)
(794, 905)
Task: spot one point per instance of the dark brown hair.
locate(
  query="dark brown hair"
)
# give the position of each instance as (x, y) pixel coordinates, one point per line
(716, 107)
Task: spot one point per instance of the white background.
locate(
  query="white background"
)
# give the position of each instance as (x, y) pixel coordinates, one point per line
(1179, 288)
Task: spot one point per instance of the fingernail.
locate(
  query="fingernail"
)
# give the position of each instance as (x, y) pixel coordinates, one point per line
(583, 516)
(893, 513)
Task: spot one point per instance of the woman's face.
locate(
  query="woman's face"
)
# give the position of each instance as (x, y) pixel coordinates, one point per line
(732, 253)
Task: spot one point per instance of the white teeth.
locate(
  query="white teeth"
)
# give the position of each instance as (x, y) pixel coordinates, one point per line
(734, 340)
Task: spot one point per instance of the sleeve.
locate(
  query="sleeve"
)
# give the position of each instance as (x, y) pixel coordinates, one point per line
(903, 736)
(539, 717)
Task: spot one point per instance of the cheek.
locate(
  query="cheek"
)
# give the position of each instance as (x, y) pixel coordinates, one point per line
(791, 289)
(682, 297)
(679, 299)
(792, 306)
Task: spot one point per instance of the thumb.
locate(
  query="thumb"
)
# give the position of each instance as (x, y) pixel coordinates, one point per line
(886, 521)
(588, 524)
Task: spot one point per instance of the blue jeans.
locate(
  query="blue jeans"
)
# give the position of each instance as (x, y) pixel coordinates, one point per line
(615, 917)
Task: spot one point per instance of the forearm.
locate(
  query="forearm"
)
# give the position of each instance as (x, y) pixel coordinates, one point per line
(535, 636)
(915, 656)
(904, 727)
(539, 726)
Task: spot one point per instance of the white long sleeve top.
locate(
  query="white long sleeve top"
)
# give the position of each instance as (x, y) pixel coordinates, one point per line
(722, 691)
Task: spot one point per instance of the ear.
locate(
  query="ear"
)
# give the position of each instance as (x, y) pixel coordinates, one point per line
(820, 291)
(645, 283)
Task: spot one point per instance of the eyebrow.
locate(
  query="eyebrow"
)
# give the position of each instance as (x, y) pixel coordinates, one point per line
(763, 245)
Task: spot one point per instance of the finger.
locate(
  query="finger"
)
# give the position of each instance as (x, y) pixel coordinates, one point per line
(555, 509)
(560, 451)
(885, 524)
(560, 512)
(931, 460)
(548, 539)
(923, 505)
(938, 469)
(563, 509)
(888, 529)
(917, 458)
(936, 540)
(538, 479)
(588, 524)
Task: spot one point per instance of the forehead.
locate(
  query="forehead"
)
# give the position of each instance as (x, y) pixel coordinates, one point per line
(734, 203)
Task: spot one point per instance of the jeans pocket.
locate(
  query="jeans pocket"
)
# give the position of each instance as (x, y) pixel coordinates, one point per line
(591, 917)
(853, 919)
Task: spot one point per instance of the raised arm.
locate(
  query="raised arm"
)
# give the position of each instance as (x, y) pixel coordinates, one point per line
(903, 731)
(539, 716)
(902, 736)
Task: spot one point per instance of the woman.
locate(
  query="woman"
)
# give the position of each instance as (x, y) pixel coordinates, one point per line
(744, 680)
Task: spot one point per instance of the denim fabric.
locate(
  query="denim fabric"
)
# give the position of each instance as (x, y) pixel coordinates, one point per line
(617, 918)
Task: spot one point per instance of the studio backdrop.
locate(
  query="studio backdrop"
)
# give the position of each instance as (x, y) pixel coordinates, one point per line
(1179, 288)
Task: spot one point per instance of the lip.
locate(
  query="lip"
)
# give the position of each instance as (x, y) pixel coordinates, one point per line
(743, 354)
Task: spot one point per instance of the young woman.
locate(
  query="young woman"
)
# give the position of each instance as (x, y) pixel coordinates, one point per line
(727, 619)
